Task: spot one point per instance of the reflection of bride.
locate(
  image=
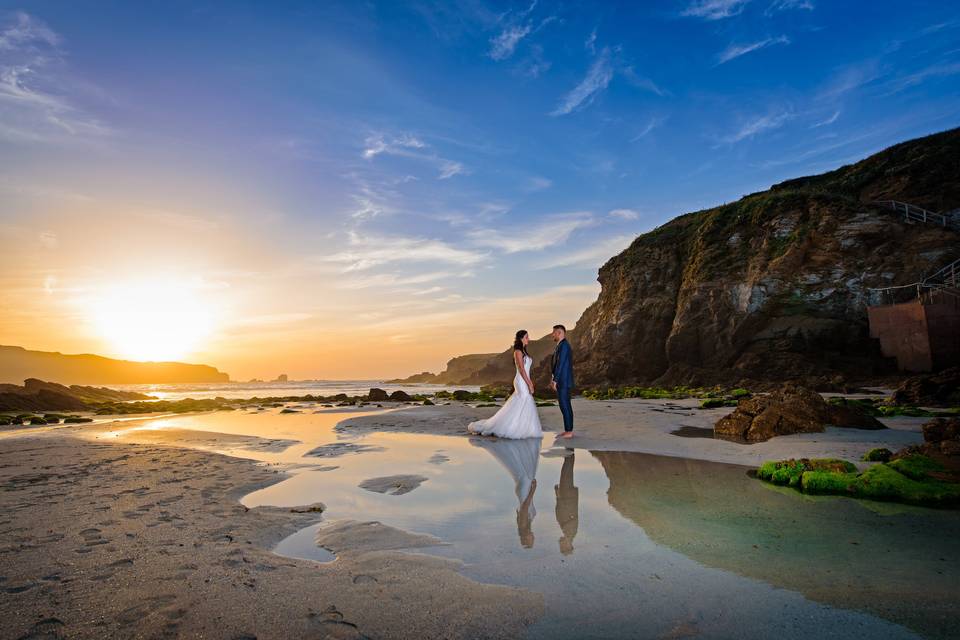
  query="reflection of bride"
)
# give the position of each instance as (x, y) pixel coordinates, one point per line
(520, 458)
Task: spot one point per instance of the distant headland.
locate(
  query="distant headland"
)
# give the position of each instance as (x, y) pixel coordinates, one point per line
(18, 364)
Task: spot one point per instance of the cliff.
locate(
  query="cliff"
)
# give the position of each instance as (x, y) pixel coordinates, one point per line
(769, 288)
(17, 364)
(774, 286)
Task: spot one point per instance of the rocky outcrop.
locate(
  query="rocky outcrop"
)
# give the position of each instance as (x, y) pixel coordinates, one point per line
(17, 363)
(930, 390)
(792, 409)
(377, 395)
(37, 395)
(773, 286)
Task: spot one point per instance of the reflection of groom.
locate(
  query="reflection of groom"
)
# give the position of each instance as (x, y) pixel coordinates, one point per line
(561, 378)
(568, 505)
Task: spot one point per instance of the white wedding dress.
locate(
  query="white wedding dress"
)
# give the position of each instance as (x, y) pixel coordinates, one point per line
(517, 418)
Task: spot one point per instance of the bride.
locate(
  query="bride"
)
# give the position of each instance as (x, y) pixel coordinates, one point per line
(517, 418)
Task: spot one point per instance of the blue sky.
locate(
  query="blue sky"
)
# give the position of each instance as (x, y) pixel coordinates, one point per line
(420, 177)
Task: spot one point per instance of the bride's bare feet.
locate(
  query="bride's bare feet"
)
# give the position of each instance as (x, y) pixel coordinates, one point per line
(566, 435)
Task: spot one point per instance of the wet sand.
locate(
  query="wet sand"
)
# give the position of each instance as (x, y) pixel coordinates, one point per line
(136, 529)
(645, 426)
(136, 540)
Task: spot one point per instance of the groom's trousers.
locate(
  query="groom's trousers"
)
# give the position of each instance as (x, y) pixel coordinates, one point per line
(566, 409)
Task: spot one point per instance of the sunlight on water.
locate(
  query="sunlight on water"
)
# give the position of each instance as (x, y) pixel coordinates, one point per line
(627, 544)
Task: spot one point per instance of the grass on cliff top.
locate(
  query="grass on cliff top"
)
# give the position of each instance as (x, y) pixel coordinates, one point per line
(904, 480)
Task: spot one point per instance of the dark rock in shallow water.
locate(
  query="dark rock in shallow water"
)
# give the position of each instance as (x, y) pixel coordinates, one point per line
(792, 409)
(400, 396)
(940, 389)
(377, 395)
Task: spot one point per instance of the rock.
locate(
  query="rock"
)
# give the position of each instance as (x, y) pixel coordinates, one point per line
(940, 389)
(400, 396)
(377, 395)
(462, 395)
(792, 409)
(880, 454)
(76, 420)
(941, 429)
(428, 402)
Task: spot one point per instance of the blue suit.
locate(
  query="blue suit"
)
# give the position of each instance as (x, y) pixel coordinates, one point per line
(562, 370)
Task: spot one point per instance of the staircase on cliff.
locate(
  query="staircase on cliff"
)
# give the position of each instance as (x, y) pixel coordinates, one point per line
(913, 213)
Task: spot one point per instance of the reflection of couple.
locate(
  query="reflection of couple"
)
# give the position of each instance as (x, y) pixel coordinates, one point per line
(518, 418)
(521, 458)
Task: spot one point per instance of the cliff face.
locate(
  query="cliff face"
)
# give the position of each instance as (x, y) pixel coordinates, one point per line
(17, 364)
(773, 286)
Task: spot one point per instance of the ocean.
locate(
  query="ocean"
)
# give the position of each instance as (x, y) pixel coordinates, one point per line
(291, 388)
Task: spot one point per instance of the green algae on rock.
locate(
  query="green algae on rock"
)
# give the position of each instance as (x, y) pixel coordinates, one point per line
(911, 479)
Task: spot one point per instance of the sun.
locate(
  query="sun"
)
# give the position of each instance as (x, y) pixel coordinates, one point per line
(153, 320)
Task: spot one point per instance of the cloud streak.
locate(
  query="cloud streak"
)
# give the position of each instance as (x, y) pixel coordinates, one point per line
(715, 9)
(555, 231)
(736, 50)
(597, 79)
(758, 125)
(367, 251)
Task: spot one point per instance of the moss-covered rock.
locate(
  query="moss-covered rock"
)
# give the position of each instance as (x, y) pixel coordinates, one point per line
(910, 479)
(880, 454)
(790, 472)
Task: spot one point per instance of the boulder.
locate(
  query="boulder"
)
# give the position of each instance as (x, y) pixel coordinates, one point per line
(400, 396)
(791, 409)
(941, 429)
(941, 389)
(462, 395)
(377, 395)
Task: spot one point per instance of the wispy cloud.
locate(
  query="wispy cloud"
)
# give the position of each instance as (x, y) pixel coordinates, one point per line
(503, 44)
(784, 5)
(30, 110)
(368, 251)
(827, 121)
(410, 146)
(940, 70)
(736, 50)
(26, 31)
(553, 231)
(648, 128)
(642, 82)
(624, 214)
(590, 256)
(715, 9)
(758, 125)
(516, 28)
(590, 44)
(597, 79)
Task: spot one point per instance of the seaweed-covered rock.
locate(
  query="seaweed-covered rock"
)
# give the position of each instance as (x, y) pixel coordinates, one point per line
(377, 395)
(791, 409)
(880, 454)
(941, 389)
(912, 479)
(400, 396)
(462, 395)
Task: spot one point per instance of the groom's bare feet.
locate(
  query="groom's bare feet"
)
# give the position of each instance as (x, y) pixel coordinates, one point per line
(566, 435)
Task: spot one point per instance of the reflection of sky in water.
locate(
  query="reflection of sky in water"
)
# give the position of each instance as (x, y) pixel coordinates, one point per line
(661, 546)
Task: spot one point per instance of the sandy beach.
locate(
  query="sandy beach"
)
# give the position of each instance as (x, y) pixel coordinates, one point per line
(139, 529)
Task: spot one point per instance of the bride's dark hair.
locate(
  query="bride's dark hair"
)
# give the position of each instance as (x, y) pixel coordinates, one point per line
(518, 342)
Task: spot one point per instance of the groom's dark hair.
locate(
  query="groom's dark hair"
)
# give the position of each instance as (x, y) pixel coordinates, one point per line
(559, 326)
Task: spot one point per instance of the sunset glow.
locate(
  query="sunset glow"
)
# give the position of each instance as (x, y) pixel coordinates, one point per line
(152, 320)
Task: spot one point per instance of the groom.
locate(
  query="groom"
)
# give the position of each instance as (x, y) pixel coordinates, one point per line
(561, 378)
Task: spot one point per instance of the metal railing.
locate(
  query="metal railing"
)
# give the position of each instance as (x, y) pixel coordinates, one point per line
(912, 212)
(945, 280)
